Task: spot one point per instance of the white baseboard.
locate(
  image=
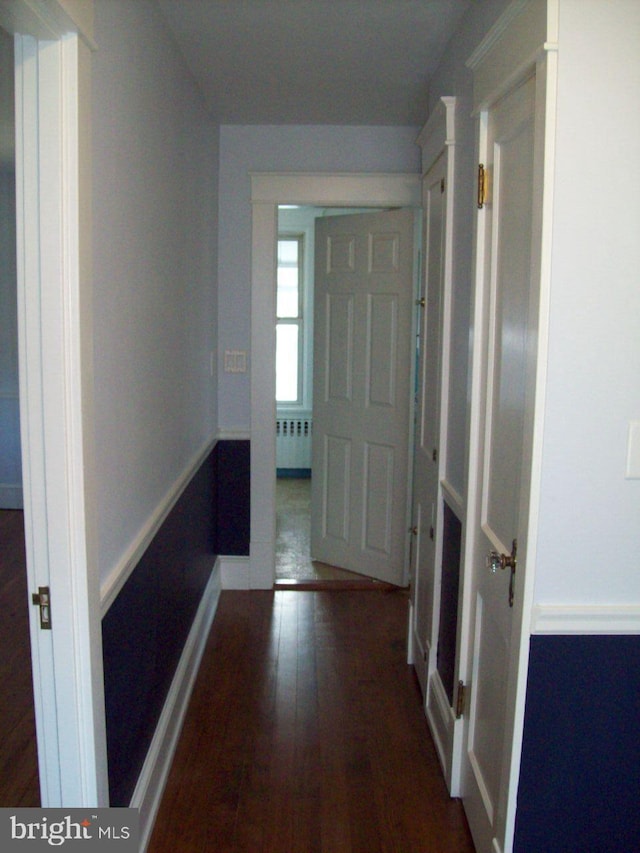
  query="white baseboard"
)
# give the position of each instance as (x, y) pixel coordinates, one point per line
(441, 721)
(148, 793)
(261, 563)
(585, 619)
(235, 572)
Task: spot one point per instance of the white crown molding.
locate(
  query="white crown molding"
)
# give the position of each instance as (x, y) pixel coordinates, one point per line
(495, 33)
(526, 31)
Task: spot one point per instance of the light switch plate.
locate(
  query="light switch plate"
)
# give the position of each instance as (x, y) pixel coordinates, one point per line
(633, 451)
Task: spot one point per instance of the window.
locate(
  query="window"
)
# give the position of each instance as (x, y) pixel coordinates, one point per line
(289, 322)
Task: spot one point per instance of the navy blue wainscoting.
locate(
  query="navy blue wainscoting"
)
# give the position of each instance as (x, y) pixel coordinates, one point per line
(448, 630)
(579, 786)
(145, 629)
(233, 479)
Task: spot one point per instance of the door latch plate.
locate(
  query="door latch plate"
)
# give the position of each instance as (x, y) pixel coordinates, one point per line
(42, 599)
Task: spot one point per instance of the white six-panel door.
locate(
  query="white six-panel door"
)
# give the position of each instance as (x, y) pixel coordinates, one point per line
(498, 534)
(362, 381)
(515, 75)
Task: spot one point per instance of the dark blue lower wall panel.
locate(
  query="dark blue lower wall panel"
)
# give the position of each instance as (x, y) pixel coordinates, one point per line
(233, 479)
(146, 627)
(448, 629)
(579, 786)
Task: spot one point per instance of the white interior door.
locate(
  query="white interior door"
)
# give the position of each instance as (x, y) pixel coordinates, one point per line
(506, 318)
(54, 292)
(424, 577)
(362, 381)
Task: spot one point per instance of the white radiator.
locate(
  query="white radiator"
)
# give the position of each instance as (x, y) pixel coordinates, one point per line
(293, 443)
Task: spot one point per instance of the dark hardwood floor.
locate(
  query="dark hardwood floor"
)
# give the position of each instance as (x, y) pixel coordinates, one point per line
(18, 755)
(305, 732)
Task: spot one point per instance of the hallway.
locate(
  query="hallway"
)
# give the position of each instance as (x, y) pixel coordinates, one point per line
(305, 732)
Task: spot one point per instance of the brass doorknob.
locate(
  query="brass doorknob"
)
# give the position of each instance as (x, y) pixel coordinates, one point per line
(497, 561)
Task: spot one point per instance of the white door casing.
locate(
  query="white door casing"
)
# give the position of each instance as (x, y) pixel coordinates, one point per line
(267, 191)
(362, 374)
(502, 477)
(514, 89)
(432, 488)
(426, 468)
(52, 63)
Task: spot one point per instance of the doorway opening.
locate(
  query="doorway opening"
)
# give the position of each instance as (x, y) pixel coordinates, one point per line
(18, 755)
(268, 190)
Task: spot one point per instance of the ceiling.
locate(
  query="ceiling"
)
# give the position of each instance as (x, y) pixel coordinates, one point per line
(314, 61)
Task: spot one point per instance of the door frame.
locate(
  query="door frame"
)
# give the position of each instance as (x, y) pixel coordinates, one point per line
(524, 39)
(53, 47)
(268, 190)
(438, 140)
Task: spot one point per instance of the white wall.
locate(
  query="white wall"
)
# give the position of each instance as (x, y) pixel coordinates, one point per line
(155, 221)
(244, 149)
(589, 541)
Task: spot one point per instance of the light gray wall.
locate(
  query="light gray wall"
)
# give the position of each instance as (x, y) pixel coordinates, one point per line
(155, 224)
(244, 149)
(589, 540)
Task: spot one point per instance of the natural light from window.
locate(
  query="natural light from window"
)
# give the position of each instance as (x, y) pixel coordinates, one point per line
(289, 320)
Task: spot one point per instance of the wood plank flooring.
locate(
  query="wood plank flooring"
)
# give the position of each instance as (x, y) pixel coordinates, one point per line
(305, 733)
(19, 784)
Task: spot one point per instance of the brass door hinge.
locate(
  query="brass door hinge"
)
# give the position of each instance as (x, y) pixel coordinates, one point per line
(461, 699)
(42, 599)
(442, 185)
(482, 186)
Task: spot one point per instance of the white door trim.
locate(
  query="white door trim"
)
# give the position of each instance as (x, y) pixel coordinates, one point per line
(267, 191)
(53, 103)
